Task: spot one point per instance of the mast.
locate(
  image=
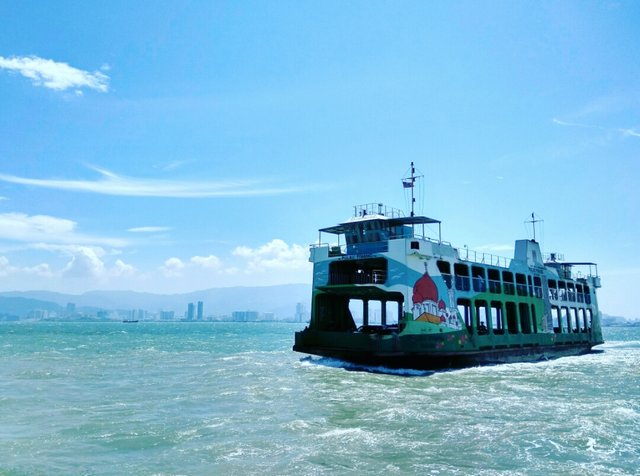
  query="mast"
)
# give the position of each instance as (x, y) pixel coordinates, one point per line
(410, 182)
(533, 222)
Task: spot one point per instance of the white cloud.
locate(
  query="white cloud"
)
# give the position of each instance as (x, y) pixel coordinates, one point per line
(86, 262)
(275, 254)
(122, 269)
(42, 270)
(112, 184)
(55, 75)
(173, 267)
(209, 262)
(149, 229)
(47, 229)
(5, 268)
(620, 130)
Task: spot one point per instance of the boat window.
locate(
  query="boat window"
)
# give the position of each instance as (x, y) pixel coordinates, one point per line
(587, 294)
(555, 319)
(494, 280)
(462, 277)
(534, 319)
(582, 320)
(415, 245)
(573, 312)
(521, 284)
(589, 319)
(445, 270)
(464, 308)
(571, 292)
(564, 313)
(482, 325)
(479, 283)
(366, 271)
(356, 307)
(553, 289)
(507, 281)
(497, 320)
(391, 310)
(537, 287)
(512, 317)
(525, 320)
(562, 290)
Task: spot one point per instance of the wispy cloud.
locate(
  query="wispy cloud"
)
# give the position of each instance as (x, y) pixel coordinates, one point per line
(19, 227)
(55, 75)
(621, 130)
(149, 229)
(111, 184)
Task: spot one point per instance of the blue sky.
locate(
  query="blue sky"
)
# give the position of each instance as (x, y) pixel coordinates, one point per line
(175, 146)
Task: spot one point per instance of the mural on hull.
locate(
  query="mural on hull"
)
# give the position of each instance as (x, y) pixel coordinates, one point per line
(428, 306)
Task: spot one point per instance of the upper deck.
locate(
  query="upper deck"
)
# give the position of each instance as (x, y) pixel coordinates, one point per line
(371, 228)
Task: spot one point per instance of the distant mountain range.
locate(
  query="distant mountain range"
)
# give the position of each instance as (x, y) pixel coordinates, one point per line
(281, 300)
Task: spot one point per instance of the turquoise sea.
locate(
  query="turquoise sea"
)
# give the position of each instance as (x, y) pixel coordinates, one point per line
(225, 398)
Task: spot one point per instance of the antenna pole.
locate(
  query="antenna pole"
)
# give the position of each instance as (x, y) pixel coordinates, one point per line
(533, 222)
(410, 182)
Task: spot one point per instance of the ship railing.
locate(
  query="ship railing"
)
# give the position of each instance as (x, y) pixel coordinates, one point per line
(483, 258)
(377, 209)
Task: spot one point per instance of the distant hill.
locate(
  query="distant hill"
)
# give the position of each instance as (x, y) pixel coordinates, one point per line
(608, 320)
(281, 300)
(21, 306)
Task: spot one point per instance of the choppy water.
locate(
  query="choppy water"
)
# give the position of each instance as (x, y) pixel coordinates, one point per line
(220, 398)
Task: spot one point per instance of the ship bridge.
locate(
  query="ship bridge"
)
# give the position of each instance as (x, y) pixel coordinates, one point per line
(372, 226)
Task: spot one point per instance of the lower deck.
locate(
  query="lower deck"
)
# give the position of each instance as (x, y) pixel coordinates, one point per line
(450, 350)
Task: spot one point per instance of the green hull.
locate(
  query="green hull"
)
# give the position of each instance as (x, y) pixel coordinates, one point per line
(435, 352)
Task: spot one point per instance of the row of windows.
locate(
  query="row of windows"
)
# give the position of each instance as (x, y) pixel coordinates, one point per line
(497, 317)
(569, 291)
(482, 278)
(507, 282)
(571, 319)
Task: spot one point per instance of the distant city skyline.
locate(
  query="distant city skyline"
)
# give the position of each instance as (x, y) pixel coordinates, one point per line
(173, 147)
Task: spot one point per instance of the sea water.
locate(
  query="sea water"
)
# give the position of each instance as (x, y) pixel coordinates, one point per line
(232, 398)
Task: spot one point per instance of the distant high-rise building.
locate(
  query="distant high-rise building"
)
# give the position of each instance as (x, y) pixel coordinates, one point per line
(300, 313)
(190, 311)
(71, 309)
(167, 315)
(200, 310)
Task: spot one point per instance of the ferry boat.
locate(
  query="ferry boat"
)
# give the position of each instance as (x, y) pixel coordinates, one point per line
(387, 294)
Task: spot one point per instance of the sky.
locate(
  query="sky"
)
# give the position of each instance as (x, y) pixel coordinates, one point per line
(182, 145)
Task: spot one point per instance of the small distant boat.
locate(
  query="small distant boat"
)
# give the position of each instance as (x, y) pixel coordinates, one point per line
(129, 321)
(393, 296)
